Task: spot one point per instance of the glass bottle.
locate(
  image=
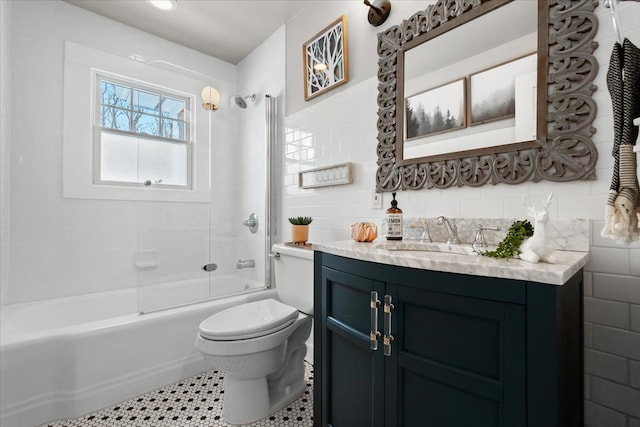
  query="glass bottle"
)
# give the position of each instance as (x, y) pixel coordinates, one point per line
(393, 220)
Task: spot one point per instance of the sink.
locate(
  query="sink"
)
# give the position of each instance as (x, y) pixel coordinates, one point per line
(428, 247)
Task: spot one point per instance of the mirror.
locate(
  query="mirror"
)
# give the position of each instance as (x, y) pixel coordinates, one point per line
(448, 111)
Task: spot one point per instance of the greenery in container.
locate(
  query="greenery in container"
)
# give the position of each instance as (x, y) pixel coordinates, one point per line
(300, 220)
(510, 246)
(300, 228)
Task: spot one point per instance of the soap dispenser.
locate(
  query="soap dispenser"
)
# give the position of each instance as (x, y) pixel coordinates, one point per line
(393, 220)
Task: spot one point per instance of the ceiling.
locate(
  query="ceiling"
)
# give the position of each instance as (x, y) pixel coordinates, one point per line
(226, 29)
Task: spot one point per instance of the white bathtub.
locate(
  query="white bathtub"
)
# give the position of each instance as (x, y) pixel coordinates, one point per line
(66, 357)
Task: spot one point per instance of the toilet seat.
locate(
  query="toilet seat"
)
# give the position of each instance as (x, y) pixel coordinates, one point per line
(249, 320)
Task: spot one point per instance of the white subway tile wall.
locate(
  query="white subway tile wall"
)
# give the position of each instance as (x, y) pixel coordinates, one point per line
(342, 127)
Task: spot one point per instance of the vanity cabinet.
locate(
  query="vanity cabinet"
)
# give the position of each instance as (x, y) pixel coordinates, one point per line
(466, 350)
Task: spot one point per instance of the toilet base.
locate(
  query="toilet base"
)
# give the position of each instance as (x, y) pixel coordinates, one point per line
(238, 392)
(249, 400)
(236, 410)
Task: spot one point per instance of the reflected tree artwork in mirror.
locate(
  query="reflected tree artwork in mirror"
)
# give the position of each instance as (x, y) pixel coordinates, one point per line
(492, 92)
(436, 110)
(562, 149)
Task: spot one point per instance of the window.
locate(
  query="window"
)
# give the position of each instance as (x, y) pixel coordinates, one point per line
(142, 135)
(146, 126)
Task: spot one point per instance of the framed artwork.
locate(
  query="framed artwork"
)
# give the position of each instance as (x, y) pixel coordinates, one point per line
(492, 93)
(325, 59)
(326, 176)
(437, 110)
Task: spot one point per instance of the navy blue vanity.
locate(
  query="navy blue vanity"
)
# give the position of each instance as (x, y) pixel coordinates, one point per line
(431, 339)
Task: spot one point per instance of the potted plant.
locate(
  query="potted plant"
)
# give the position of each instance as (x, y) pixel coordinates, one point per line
(300, 228)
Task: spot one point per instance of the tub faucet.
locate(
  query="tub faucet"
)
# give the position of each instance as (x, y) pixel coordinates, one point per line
(245, 263)
(452, 229)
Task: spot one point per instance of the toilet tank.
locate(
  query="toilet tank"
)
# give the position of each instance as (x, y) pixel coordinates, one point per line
(293, 272)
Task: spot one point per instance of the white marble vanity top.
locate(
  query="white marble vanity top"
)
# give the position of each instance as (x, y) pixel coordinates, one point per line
(567, 263)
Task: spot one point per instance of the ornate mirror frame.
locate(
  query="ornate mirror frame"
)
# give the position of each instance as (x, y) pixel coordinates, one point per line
(563, 151)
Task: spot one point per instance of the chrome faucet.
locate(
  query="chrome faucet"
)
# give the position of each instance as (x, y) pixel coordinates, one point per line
(426, 237)
(452, 229)
(479, 241)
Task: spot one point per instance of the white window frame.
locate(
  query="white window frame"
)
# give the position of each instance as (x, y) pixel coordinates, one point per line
(189, 100)
(81, 64)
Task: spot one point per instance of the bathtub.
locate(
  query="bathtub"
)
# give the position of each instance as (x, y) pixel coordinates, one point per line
(66, 357)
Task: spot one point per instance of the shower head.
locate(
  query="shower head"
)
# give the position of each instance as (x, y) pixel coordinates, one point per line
(240, 100)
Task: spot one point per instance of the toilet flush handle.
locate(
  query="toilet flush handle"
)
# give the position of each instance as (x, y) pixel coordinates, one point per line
(275, 255)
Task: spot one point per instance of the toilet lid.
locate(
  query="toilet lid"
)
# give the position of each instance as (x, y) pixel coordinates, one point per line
(249, 320)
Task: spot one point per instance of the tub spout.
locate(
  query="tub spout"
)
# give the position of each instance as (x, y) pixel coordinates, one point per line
(245, 263)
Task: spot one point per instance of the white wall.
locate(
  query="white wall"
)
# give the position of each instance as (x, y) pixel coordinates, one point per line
(260, 73)
(63, 246)
(340, 126)
(361, 41)
(5, 131)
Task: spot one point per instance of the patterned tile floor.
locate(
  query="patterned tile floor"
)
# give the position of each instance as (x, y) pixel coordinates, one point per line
(194, 402)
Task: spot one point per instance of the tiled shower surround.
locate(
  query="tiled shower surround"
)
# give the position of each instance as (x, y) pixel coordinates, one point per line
(342, 128)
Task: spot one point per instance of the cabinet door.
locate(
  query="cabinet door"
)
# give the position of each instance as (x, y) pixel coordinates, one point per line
(456, 361)
(352, 372)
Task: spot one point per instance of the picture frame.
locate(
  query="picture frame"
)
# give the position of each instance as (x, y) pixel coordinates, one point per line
(325, 59)
(492, 91)
(436, 110)
(326, 176)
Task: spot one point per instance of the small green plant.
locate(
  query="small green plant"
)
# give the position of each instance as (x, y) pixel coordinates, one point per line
(300, 220)
(509, 247)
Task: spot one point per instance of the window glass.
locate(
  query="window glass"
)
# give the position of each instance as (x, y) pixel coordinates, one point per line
(115, 118)
(146, 102)
(173, 129)
(143, 135)
(146, 124)
(135, 160)
(163, 163)
(116, 95)
(118, 158)
(173, 108)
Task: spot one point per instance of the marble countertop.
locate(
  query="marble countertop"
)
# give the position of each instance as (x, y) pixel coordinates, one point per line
(566, 264)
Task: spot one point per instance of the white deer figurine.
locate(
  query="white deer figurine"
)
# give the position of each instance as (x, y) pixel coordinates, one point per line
(535, 248)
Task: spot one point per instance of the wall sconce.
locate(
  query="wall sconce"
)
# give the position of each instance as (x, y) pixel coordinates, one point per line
(379, 11)
(210, 98)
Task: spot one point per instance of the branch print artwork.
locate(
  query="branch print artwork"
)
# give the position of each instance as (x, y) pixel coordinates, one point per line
(325, 59)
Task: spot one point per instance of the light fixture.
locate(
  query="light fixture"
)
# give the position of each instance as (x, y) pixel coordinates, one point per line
(210, 98)
(378, 11)
(165, 5)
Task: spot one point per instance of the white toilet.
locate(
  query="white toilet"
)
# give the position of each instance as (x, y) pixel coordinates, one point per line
(260, 346)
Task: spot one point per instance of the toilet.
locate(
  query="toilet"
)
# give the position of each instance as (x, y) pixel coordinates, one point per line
(260, 346)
